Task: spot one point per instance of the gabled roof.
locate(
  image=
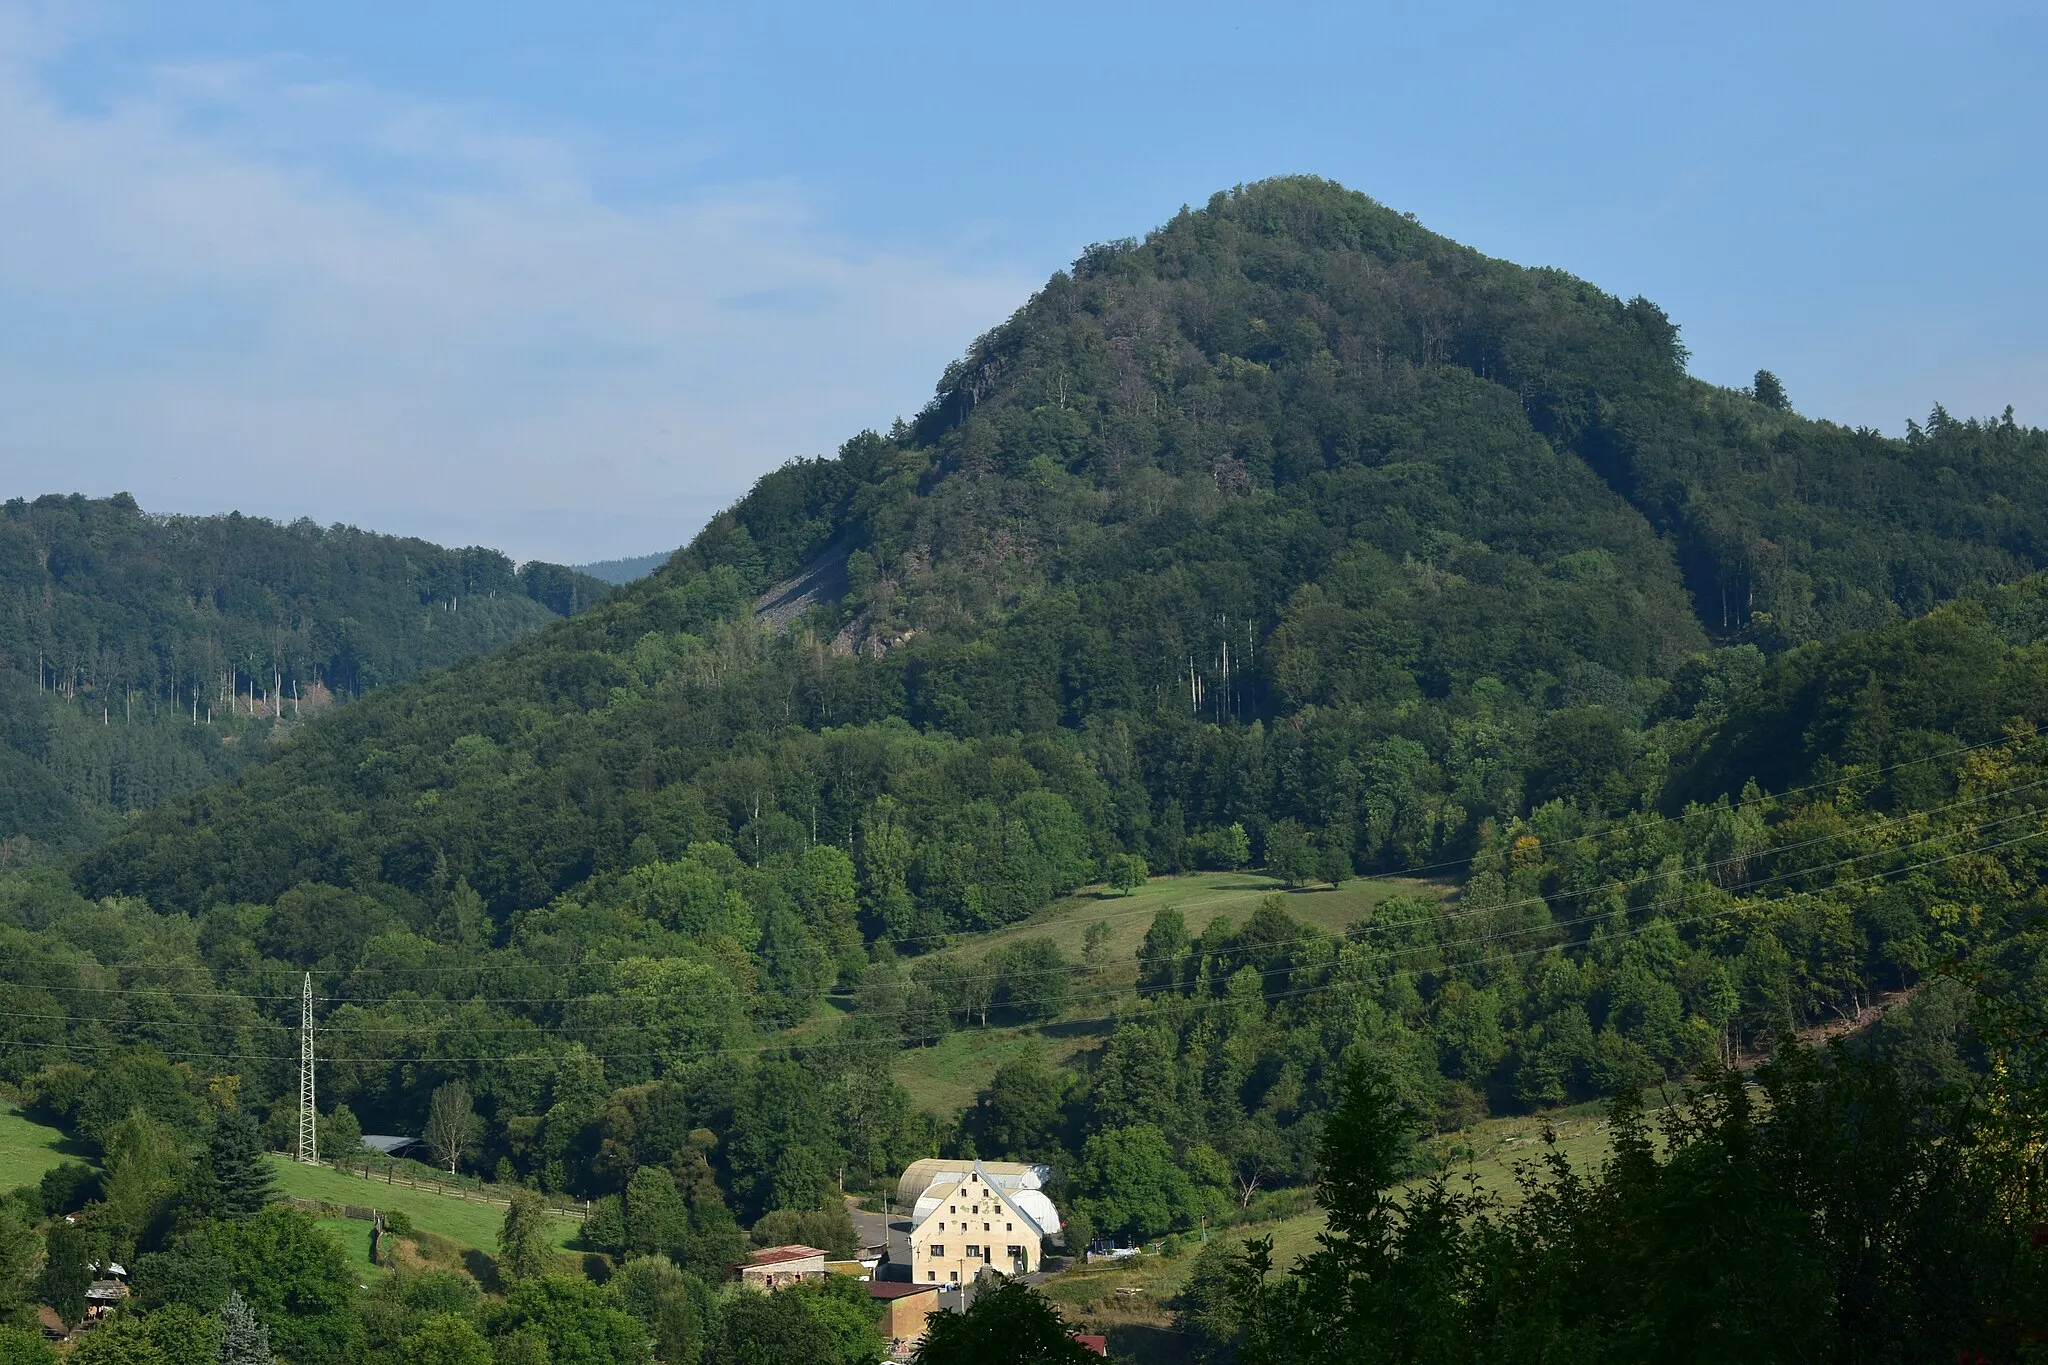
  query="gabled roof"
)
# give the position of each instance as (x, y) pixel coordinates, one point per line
(922, 1174)
(988, 1182)
(795, 1251)
(898, 1289)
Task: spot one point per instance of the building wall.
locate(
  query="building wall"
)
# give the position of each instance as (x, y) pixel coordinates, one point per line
(971, 1214)
(903, 1318)
(783, 1272)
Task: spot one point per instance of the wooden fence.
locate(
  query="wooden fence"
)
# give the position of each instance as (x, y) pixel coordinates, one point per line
(578, 1209)
(360, 1212)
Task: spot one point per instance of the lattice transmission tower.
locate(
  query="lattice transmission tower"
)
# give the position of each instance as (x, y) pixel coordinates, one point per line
(309, 1151)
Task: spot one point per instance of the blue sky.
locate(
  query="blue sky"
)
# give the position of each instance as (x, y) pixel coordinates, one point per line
(566, 278)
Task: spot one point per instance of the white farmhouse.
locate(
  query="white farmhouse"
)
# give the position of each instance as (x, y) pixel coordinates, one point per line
(967, 1216)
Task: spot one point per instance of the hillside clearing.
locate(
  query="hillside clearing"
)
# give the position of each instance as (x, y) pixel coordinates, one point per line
(353, 1236)
(28, 1148)
(468, 1222)
(945, 1078)
(1200, 897)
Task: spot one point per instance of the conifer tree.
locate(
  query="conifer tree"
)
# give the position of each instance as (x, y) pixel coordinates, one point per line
(1769, 390)
(237, 1175)
(244, 1340)
(523, 1238)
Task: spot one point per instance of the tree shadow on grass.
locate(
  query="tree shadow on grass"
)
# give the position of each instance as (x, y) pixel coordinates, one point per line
(1144, 1344)
(78, 1149)
(484, 1269)
(1076, 1028)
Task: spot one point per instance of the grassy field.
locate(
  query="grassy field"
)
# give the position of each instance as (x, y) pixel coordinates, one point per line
(1200, 897)
(466, 1222)
(28, 1148)
(1488, 1153)
(1138, 1324)
(1138, 1321)
(354, 1237)
(943, 1080)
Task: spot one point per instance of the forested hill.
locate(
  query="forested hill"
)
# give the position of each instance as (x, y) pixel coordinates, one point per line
(143, 656)
(1293, 537)
(1293, 512)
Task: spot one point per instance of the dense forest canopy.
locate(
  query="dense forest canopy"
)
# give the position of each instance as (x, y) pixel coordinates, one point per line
(143, 656)
(1293, 511)
(1292, 537)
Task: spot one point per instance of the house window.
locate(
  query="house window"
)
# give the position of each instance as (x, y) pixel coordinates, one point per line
(973, 1251)
(931, 1274)
(937, 1250)
(1009, 1227)
(953, 1276)
(984, 1227)
(1016, 1253)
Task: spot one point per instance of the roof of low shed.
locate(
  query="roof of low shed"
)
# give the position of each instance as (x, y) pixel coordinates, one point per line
(793, 1252)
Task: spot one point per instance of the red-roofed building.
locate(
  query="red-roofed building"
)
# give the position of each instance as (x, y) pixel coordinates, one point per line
(774, 1267)
(1099, 1345)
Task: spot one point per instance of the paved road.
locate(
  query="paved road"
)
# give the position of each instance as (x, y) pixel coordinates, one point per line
(873, 1228)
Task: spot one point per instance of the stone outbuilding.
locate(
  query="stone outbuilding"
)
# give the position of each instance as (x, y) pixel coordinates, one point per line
(774, 1267)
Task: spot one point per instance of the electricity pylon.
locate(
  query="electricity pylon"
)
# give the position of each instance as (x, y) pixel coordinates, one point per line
(309, 1151)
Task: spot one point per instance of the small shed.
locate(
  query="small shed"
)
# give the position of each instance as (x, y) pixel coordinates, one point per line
(773, 1267)
(102, 1297)
(905, 1307)
(392, 1144)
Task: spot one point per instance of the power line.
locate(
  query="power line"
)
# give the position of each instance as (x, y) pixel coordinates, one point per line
(309, 1148)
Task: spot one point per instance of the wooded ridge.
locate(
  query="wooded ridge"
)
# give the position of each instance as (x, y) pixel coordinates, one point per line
(142, 657)
(1293, 538)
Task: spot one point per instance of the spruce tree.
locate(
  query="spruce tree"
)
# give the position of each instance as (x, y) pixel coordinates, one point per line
(523, 1251)
(238, 1178)
(244, 1340)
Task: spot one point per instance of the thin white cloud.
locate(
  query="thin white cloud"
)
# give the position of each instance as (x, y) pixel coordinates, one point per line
(227, 287)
